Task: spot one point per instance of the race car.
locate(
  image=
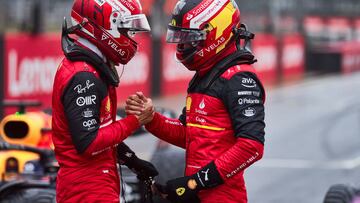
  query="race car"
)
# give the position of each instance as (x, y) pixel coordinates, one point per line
(23, 128)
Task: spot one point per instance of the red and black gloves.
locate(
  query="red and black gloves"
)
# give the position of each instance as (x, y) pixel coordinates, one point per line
(185, 189)
(143, 169)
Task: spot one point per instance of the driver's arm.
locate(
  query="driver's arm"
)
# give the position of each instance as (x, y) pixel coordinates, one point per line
(82, 100)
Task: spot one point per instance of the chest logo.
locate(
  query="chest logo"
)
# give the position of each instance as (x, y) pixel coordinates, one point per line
(249, 112)
(180, 191)
(188, 103)
(202, 104)
(108, 105)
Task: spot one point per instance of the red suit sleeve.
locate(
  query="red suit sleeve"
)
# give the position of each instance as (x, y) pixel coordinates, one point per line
(169, 130)
(112, 135)
(244, 153)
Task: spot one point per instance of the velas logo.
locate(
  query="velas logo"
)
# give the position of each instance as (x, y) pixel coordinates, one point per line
(116, 47)
(212, 47)
(104, 37)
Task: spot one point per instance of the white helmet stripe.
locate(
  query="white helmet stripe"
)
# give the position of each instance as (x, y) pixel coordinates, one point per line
(213, 8)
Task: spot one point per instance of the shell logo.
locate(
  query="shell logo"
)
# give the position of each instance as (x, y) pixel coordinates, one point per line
(108, 105)
(188, 103)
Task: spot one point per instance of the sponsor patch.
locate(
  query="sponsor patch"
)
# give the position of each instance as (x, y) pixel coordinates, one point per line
(200, 120)
(89, 123)
(80, 89)
(199, 111)
(88, 113)
(248, 82)
(89, 100)
(249, 93)
(249, 112)
(248, 101)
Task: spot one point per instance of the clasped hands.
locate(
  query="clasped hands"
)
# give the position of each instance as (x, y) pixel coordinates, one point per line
(140, 106)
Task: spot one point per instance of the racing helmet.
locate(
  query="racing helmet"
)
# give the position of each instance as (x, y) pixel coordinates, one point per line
(109, 25)
(202, 30)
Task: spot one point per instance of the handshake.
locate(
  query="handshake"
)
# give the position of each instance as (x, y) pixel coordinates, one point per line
(140, 106)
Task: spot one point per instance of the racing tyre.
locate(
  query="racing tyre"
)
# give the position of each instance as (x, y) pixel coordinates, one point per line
(340, 193)
(27, 192)
(31, 195)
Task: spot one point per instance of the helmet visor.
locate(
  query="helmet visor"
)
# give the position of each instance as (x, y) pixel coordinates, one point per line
(184, 35)
(135, 23)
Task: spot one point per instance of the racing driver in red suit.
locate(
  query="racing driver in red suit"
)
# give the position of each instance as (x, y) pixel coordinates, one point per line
(222, 125)
(87, 137)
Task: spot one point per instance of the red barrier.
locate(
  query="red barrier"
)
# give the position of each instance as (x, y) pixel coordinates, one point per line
(293, 57)
(31, 63)
(266, 51)
(350, 57)
(30, 66)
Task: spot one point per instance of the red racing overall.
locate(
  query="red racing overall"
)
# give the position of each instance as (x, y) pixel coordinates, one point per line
(224, 123)
(85, 134)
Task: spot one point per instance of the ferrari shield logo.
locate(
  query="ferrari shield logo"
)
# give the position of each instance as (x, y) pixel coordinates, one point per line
(180, 191)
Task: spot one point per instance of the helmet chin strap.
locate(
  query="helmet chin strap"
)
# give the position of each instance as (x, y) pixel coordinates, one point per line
(72, 29)
(176, 59)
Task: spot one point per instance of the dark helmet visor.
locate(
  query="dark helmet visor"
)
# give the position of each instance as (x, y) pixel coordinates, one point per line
(184, 35)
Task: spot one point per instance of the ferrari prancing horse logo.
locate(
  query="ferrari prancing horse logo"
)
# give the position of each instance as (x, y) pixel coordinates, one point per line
(180, 191)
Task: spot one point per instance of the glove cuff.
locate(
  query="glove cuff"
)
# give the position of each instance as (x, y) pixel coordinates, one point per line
(208, 177)
(126, 155)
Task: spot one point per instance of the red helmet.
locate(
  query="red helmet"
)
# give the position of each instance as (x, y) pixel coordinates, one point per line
(203, 31)
(108, 24)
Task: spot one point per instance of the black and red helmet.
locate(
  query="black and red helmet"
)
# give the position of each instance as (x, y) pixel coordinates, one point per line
(107, 24)
(202, 29)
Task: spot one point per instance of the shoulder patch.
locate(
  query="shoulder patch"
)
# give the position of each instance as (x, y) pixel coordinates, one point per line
(228, 74)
